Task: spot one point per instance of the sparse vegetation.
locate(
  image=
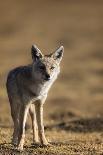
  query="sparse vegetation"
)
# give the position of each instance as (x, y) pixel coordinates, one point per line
(73, 114)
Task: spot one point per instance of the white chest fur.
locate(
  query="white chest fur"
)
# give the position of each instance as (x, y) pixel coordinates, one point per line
(43, 89)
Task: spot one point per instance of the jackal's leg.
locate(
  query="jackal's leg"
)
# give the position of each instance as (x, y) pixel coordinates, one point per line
(14, 114)
(34, 123)
(39, 113)
(22, 119)
(15, 133)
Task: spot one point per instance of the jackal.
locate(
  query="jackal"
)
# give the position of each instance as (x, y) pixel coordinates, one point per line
(27, 88)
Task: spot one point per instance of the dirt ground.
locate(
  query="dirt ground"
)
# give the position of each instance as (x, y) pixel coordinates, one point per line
(73, 113)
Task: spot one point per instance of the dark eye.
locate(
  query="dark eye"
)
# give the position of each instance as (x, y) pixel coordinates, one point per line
(52, 67)
(42, 67)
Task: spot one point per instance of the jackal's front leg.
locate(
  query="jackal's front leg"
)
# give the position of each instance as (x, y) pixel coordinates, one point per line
(39, 113)
(23, 116)
(34, 123)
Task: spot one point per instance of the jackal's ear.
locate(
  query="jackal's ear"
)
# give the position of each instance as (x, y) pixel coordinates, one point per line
(58, 54)
(36, 53)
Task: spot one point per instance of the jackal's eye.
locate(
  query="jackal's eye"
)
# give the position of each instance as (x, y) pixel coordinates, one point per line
(52, 67)
(42, 67)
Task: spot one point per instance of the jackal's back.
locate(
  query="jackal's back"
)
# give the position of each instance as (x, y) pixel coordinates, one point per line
(14, 79)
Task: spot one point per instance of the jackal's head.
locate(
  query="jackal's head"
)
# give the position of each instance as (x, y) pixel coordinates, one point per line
(46, 67)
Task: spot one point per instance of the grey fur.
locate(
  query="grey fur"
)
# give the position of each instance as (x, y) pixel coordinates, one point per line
(27, 88)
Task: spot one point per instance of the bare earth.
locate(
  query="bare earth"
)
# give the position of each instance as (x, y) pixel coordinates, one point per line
(73, 113)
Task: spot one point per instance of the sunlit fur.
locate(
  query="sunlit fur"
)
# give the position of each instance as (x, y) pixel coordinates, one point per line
(27, 88)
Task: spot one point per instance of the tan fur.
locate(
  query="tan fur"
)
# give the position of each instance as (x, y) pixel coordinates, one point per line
(27, 89)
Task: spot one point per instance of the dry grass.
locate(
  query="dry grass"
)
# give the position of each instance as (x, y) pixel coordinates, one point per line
(74, 110)
(63, 143)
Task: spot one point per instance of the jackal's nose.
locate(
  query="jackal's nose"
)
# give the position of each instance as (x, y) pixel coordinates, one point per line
(47, 76)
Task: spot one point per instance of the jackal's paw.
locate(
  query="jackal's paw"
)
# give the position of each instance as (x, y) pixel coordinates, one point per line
(19, 147)
(15, 143)
(45, 143)
(35, 143)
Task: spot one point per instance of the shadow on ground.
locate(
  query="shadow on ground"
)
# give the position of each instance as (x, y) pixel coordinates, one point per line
(74, 124)
(79, 125)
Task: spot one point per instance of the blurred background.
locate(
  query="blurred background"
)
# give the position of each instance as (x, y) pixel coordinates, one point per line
(78, 26)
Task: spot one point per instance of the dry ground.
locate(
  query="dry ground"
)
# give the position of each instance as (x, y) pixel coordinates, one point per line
(74, 111)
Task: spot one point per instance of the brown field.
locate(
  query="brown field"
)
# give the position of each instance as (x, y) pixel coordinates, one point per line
(73, 113)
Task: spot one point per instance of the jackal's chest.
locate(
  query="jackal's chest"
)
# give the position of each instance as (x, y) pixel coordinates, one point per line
(40, 90)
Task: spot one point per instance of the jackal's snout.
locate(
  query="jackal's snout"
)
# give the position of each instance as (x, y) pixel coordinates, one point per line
(47, 77)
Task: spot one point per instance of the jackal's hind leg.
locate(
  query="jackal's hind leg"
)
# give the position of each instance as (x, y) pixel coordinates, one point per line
(15, 114)
(15, 133)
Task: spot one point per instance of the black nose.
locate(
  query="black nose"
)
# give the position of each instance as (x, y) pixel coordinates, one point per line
(47, 77)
